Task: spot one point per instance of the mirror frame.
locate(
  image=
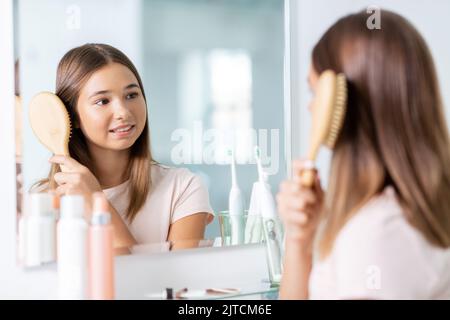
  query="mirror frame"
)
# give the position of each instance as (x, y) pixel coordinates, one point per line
(21, 283)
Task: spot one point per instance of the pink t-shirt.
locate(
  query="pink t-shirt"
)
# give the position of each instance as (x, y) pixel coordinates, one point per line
(175, 193)
(379, 255)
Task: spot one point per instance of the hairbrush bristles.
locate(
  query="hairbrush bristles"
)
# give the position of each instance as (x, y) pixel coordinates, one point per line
(328, 113)
(339, 110)
(70, 129)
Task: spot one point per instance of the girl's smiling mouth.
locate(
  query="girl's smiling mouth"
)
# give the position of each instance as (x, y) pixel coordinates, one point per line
(123, 130)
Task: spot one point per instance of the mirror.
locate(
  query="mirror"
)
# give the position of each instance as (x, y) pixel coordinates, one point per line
(212, 73)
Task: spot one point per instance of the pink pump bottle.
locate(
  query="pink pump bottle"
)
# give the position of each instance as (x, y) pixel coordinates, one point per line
(101, 251)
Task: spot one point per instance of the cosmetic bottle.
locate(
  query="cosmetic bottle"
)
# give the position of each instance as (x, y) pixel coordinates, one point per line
(56, 210)
(40, 231)
(56, 205)
(72, 249)
(101, 251)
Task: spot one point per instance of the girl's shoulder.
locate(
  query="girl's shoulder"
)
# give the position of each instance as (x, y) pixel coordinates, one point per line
(163, 172)
(380, 210)
(380, 220)
(379, 239)
(187, 190)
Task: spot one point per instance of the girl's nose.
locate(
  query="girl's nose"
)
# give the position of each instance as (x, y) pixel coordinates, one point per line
(120, 110)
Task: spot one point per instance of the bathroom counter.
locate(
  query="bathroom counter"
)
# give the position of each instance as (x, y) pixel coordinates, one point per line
(138, 276)
(147, 276)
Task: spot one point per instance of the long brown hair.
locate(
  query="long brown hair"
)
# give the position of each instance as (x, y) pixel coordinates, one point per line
(394, 132)
(74, 69)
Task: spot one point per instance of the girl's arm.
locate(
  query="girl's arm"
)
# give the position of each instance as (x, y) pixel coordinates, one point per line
(123, 239)
(188, 231)
(299, 208)
(296, 272)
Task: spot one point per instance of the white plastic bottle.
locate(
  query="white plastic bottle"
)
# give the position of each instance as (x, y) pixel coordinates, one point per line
(21, 240)
(40, 237)
(72, 249)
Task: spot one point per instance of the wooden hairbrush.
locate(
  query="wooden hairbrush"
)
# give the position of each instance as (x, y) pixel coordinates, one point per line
(50, 122)
(328, 112)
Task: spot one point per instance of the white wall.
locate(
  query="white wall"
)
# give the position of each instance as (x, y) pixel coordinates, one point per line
(7, 158)
(13, 282)
(313, 19)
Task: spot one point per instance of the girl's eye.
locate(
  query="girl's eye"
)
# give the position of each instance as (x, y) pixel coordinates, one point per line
(132, 95)
(102, 102)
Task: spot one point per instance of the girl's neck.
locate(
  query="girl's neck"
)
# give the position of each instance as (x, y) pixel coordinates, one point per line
(109, 166)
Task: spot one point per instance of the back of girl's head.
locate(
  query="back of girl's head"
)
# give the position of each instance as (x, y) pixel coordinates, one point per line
(394, 131)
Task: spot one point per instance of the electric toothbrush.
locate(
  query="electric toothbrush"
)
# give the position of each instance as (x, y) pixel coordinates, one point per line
(271, 226)
(253, 227)
(235, 206)
(268, 207)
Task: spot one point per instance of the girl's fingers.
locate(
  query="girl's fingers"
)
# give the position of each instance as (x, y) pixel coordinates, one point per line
(292, 191)
(297, 203)
(67, 189)
(60, 178)
(72, 190)
(289, 186)
(61, 190)
(299, 218)
(68, 162)
(285, 209)
(290, 216)
(293, 217)
(66, 178)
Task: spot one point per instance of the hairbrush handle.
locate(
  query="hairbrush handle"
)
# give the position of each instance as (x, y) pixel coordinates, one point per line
(307, 178)
(308, 174)
(65, 153)
(54, 169)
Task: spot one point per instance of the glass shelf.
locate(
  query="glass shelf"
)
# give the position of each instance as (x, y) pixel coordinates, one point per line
(264, 292)
(261, 291)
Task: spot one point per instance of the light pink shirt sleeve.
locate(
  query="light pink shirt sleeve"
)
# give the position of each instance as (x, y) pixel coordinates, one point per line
(193, 198)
